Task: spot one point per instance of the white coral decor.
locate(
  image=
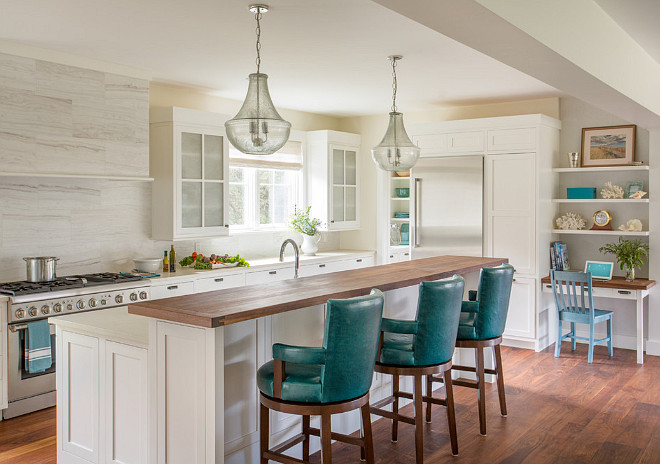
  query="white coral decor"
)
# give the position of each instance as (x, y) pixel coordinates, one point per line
(633, 225)
(571, 221)
(611, 191)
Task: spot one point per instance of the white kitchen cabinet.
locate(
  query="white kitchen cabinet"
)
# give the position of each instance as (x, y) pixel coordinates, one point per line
(269, 275)
(512, 140)
(398, 256)
(219, 282)
(334, 178)
(521, 318)
(465, 142)
(173, 289)
(510, 209)
(188, 152)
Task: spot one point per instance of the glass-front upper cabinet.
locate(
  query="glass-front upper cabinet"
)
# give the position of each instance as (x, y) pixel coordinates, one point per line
(334, 181)
(192, 180)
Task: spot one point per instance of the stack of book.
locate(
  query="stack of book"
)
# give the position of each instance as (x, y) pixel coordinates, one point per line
(559, 256)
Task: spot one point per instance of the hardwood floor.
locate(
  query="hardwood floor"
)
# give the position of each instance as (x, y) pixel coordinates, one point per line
(561, 411)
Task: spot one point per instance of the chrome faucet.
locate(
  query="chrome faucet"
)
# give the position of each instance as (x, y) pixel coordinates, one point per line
(296, 250)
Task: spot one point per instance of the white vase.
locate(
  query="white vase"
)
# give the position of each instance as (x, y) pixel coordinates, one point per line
(310, 244)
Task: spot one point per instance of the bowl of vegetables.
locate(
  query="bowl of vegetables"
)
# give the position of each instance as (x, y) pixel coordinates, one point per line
(199, 261)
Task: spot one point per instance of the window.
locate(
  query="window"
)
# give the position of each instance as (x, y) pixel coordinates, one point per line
(264, 189)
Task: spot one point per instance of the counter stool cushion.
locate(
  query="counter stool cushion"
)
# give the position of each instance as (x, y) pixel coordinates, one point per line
(302, 383)
(397, 349)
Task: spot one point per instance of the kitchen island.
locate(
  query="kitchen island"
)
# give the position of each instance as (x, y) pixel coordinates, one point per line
(201, 353)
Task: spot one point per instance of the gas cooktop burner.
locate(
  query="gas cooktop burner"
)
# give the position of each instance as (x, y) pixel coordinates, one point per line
(64, 283)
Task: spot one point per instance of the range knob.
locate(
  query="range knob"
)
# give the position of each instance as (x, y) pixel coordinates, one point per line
(57, 307)
(45, 309)
(69, 307)
(19, 314)
(104, 302)
(80, 304)
(32, 311)
(143, 295)
(92, 303)
(134, 296)
(119, 299)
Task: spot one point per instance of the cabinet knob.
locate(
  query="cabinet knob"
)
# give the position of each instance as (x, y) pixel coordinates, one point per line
(332, 221)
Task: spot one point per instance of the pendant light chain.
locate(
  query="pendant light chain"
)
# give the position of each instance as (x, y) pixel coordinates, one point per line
(394, 84)
(257, 16)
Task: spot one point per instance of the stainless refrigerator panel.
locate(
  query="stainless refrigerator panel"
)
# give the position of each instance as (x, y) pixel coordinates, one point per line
(448, 206)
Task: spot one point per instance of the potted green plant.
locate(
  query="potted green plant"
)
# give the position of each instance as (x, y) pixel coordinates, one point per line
(629, 254)
(301, 221)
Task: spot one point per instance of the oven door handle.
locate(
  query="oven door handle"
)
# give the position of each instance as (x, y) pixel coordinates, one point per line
(17, 327)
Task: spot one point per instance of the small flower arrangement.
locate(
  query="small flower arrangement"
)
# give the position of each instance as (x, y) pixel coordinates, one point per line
(629, 254)
(303, 223)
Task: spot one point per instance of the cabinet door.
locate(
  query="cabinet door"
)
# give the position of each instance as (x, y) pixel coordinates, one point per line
(202, 169)
(465, 142)
(431, 144)
(511, 192)
(521, 319)
(512, 140)
(79, 396)
(343, 195)
(125, 402)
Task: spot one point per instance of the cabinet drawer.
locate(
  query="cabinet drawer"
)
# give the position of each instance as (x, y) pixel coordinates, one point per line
(600, 292)
(170, 290)
(269, 275)
(219, 282)
(512, 140)
(431, 144)
(465, 142)
(398, 257)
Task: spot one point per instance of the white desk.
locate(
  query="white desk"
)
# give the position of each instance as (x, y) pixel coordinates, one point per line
(620, 289)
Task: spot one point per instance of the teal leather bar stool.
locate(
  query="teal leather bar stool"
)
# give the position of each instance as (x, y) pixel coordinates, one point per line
(575, 304)
(482, 323)
(326, 380)
(422, 347)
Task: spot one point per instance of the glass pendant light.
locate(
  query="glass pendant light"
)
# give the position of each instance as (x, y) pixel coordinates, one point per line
(258, 129)
(395, 152)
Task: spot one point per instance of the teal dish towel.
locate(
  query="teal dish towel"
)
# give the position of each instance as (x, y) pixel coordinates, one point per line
(37, 347)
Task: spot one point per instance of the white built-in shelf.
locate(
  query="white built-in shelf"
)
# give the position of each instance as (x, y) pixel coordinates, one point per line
(399, 178)
(75, 176)
(600, 200)
(395, 248)
(400, 198)
(644, 233)
(400, 219)
(603, 169)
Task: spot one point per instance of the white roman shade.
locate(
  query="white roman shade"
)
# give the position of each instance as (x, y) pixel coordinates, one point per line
(290, 157)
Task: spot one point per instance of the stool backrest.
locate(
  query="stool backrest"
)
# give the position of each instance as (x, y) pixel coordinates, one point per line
(573, 292)
(352, 329)
(493, 294)
(438, 313)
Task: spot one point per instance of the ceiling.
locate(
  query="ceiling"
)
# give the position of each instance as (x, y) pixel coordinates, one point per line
(322, 56)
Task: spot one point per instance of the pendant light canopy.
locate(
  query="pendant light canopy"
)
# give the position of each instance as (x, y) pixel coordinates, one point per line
(258, 129)
(395, 152)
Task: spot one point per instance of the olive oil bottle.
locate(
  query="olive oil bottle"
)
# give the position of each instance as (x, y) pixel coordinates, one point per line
(172, 259)
(166, 262)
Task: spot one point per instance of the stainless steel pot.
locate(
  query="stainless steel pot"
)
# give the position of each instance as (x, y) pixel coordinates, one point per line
(41, 268)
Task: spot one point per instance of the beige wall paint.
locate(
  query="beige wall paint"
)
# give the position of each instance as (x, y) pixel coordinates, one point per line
(372, 129)
(164, 95)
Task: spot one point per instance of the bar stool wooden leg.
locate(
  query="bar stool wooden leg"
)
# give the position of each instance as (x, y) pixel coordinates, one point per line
(451, 415)
(368, 440)
(419, 426)
(326, 439)
(499, 373)
(395, 408)
(264, 432)
(305, 444)
(481, 388)
(429, 393)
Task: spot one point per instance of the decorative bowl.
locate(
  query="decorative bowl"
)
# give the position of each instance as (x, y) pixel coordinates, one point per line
(148, 264)
(402, 192)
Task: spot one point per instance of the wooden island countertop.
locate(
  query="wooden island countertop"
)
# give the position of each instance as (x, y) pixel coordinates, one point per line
(223, 307)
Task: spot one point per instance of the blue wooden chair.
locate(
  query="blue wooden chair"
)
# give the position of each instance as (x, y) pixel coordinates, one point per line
(326, 380)
(575, 304)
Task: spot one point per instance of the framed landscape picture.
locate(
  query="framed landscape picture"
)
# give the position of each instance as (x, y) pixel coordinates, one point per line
(608, 146)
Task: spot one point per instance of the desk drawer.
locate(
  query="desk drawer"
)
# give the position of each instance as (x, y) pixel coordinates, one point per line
(602, 292)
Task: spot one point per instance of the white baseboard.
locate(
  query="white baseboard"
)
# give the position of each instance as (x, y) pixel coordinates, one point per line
(653, 347)
(516, 343)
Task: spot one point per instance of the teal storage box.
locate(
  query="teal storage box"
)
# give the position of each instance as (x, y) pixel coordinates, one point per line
(581, 193)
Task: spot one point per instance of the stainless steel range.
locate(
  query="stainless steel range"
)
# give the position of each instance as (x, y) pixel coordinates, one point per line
(31, 301)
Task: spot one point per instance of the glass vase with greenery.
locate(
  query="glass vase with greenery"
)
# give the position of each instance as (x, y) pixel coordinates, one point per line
(629, 254)
(303, 223)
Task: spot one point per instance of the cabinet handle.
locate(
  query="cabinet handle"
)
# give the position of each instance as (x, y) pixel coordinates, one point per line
(332, 222)
(406, 254)
(358, 260)
(514, 280)
(391, 256)
(548, 286)
(226, 225)
(624, 292)
(321, 265)
(219, 279)
(272, 272)
(172, 287)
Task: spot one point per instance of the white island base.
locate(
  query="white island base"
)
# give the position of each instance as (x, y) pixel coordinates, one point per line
(133, 389)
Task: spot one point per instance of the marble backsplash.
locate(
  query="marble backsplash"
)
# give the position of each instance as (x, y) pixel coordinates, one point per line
(100, 225)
